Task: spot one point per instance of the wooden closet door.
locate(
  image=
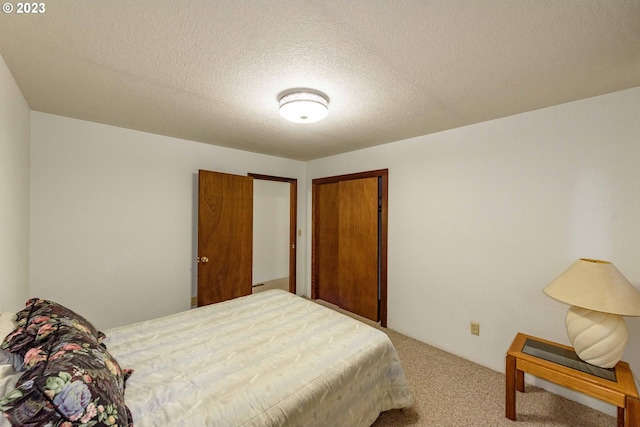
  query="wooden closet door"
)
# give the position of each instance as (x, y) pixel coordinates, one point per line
(327, 230)
(225, 236)
(347, 245)
(358, 246)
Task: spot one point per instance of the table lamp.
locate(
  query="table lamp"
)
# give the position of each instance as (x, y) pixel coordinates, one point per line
(599, 295)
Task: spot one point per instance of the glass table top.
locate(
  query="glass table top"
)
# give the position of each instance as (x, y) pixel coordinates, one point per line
(566, 358)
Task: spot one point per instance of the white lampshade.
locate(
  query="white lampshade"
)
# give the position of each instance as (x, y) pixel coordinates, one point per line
(600, 295)
(596, 285)
(304, 107)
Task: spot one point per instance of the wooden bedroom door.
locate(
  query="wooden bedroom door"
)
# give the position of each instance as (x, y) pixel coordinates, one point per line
(347, 236)
(225, 236)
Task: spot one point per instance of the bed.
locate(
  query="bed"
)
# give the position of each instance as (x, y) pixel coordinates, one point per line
(269, 359)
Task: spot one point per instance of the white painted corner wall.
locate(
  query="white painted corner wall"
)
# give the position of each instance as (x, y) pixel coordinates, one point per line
(482, 218)
(114, 216)
(14, 193)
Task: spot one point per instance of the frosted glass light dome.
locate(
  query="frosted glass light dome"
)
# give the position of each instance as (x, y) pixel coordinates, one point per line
(304, 107)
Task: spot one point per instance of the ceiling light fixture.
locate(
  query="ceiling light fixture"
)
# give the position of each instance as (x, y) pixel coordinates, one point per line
(304, 106)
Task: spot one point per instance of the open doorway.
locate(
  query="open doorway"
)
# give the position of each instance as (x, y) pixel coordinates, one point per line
(274, 233)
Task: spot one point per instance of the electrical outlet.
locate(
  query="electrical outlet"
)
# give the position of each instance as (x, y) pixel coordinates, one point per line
(475, 328)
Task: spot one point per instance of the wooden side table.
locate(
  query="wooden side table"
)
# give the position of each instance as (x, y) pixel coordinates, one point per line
(559, 364)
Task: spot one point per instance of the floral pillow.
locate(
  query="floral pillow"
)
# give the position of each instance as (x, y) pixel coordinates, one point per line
(7, 325)
(39, 307)
(36, 322)
(70, 381)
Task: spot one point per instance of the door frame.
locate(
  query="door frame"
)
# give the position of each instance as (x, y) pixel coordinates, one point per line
(383, 174)
(293, 221)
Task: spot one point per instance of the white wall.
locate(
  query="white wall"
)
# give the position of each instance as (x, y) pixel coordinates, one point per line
(270, 230)
(482, 218)
(113, 216)
(14, 193)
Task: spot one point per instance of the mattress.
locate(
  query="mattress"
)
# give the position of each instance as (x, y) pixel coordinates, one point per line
(269, 359)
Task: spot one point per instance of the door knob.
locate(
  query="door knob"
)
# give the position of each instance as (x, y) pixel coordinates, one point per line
(204, 259)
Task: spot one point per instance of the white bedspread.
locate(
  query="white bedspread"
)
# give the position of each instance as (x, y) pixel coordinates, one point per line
(269, 359)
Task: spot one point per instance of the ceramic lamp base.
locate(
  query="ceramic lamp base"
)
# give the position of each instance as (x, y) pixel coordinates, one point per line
(598, 338)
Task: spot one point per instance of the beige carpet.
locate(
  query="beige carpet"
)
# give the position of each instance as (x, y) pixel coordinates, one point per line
(451, 391)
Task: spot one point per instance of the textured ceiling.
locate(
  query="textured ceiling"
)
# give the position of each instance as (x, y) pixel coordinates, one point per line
(211, 70)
